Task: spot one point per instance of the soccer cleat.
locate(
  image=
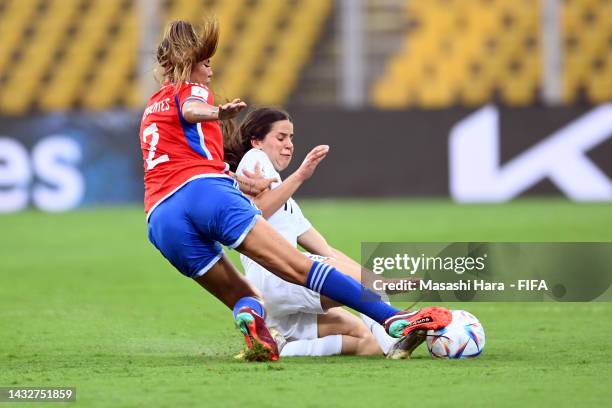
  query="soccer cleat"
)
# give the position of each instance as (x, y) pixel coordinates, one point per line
(404, 347)
(256, 335)
(428, 318)
(278, 337)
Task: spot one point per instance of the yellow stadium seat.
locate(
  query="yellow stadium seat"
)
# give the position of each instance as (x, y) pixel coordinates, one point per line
(23, 86)
(185, 10)
(389, 96)
(69, 80)
(237, 79)
(265, 43)
(112, 72)
(588, 24)
(502, 38)
(290, 52)
(599, 88)
(228, 13)
(517, 89)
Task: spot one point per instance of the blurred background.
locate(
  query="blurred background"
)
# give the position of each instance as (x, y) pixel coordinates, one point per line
(476, 100)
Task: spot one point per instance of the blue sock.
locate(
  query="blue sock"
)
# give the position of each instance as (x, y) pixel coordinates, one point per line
(251, 302)
(329, 282)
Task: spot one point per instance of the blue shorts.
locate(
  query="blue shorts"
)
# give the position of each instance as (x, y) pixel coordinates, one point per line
(189, 227)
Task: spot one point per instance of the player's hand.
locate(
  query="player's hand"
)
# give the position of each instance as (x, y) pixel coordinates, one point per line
(253, 183)
(312, 160)
(231, 109)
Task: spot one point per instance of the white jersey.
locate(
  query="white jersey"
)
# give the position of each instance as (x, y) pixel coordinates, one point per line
(291, 309)
(287, 220)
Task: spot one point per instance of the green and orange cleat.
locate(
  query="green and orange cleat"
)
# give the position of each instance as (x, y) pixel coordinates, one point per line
(260, 343)
(429, 318)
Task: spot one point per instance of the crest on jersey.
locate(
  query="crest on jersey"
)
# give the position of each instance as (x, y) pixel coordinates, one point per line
(199, 92)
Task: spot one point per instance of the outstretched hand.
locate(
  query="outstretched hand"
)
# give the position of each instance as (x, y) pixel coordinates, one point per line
(231, 109)
(312, 160)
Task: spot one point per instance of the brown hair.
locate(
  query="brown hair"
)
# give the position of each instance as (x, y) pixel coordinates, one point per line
(182, 47)
(255, 126)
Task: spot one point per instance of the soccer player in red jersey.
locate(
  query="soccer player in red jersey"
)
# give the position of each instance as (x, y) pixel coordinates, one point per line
(193, 206)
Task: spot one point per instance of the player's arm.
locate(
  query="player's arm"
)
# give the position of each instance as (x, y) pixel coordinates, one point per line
(341, 256)
(195, 110)
(315, 243)
(271, 200)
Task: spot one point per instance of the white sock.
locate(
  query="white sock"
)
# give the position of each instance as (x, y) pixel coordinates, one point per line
(380, 334)
(323, 346)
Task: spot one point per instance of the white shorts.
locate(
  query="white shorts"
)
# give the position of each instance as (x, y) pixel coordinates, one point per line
(291, 309)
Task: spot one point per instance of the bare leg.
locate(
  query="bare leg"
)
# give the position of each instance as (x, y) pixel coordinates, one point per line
(227, 284)
(356, 338)
(263, 244)
(268, 248)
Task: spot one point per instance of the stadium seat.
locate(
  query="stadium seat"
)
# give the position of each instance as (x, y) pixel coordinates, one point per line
(23, 85)
(71, 78)
(500, 39)
(13, 20)
(80, 45)
(115, 68)
(453, 51)
(291, 52)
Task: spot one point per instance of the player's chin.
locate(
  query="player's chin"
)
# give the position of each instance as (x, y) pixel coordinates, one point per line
(285, 161)
(282, 163)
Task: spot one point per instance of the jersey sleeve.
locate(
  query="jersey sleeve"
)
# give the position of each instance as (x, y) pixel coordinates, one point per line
(194, 92)
(249, 162)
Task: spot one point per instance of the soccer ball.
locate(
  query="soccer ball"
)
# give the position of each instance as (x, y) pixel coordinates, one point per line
(464, 337)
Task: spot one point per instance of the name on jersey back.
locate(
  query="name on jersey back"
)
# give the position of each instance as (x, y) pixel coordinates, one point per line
(160, 106)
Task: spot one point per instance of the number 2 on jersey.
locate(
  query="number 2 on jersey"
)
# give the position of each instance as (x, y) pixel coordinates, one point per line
(151, 130)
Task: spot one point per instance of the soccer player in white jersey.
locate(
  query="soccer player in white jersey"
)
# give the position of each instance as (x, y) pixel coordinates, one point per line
(313, 324)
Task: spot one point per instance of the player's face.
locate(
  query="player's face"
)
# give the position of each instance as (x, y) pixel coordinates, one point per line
(202, 72)
(278, 144)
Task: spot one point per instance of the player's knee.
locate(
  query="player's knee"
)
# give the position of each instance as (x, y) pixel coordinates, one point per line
(360, 331)
(367, 346)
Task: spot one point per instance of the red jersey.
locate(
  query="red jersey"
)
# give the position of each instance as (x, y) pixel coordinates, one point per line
(176, 151)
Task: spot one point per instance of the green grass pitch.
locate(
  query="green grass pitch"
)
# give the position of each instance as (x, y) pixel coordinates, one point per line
(86, 301)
